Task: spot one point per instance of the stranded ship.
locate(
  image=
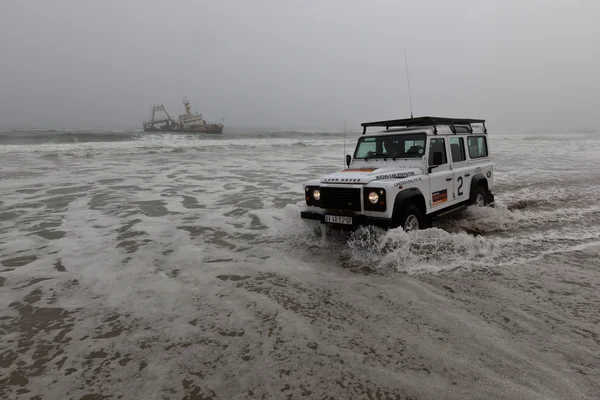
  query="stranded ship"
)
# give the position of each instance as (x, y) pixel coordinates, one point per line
(188, 122)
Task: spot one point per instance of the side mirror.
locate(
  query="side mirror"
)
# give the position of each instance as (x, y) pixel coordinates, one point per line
(348, 159)
(437, 160)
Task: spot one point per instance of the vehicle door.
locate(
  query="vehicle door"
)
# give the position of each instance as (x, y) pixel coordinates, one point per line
(462, 171)
(441, 178)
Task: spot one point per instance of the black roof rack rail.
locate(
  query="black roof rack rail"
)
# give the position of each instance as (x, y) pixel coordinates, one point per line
(425, 121)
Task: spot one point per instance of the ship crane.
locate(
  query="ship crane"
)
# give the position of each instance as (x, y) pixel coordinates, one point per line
(156, 109)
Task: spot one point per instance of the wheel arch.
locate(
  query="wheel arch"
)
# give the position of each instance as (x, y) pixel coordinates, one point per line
(409, 196)
(404, 199)
(479, 180)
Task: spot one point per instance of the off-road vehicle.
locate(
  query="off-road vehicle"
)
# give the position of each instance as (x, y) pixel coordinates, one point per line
(406, 174)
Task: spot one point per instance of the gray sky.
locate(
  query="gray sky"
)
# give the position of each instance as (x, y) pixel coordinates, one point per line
(299, 63)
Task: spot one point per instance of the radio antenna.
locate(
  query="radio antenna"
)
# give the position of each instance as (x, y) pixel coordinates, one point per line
(344, 144)
(408, 80)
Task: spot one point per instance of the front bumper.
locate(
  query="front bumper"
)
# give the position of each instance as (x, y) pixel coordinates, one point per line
(357, 220)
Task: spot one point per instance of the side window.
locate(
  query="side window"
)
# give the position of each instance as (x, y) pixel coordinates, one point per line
(477, 146)
(365, 146)
(457, 149)
(437, 144)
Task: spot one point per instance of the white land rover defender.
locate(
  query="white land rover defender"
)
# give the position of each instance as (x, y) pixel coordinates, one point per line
(406, 175)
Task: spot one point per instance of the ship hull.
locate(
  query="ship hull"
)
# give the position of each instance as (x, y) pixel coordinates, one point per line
(160, 129)
(209, 128)
(149, 127)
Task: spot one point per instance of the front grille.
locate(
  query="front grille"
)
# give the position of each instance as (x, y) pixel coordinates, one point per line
(337, 198)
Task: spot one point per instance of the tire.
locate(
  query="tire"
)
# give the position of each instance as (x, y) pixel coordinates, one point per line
(480, 197)
(410, 219)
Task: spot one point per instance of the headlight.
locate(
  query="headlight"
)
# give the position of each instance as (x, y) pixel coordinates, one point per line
(373, 197)
(316, 194)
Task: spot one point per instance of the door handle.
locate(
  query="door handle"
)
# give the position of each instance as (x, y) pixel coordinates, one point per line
(467, 175)
(448, 179)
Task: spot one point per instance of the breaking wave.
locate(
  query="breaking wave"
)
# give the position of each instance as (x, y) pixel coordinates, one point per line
(74, 136)
(53, 137)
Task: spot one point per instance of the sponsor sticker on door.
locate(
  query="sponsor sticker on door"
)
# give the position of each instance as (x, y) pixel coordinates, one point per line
(439, 197)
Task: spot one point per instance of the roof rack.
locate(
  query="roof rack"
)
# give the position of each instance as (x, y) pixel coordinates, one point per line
(426, 121)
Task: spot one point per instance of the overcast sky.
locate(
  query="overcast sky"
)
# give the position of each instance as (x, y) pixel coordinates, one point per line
(299, 63)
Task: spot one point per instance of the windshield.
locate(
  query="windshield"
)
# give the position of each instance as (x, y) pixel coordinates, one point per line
(391, 146)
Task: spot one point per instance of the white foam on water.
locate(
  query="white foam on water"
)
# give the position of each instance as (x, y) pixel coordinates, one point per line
(480, 238)
(428, 251)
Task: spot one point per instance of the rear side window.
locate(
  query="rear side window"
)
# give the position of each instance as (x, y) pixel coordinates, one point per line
(457, 149)
(477, 146)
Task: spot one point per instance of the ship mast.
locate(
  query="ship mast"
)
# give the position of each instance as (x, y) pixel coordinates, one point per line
(186, 103)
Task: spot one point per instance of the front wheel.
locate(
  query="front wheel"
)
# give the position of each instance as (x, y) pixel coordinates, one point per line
(410, 219)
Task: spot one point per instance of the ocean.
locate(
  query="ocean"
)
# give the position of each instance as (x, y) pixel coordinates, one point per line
(174, 266)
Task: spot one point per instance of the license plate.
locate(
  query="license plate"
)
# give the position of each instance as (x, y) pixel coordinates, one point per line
(337, 219)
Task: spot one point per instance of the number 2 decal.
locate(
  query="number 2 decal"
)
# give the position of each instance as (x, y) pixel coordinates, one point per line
(460, 183)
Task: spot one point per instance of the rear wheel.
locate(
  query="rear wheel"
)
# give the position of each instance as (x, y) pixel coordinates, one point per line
(480, 197)
(410, 219)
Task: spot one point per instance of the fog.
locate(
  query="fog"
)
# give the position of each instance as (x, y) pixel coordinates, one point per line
(299, 64)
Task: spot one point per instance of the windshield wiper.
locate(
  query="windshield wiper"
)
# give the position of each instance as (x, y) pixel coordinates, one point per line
(377, 155)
